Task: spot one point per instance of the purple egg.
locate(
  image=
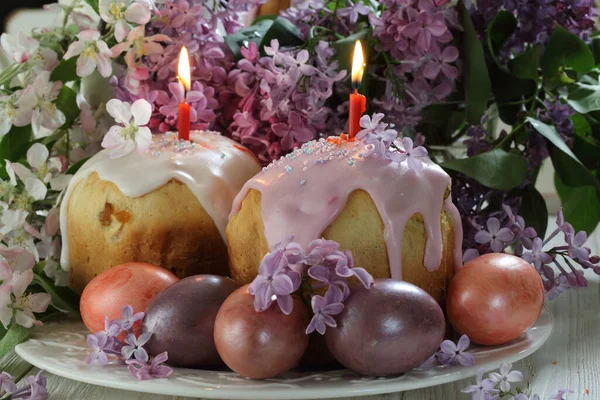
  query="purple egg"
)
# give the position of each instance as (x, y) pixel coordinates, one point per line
(386, 330)
(182, 319)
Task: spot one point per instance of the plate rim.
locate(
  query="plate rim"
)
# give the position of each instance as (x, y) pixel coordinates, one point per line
(274, 393)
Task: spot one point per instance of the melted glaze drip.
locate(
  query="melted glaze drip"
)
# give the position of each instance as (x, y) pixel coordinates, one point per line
(307, 189)
(212, 166)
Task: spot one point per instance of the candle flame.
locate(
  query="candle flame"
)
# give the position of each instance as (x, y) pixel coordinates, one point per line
(358, 65)
(183, 70)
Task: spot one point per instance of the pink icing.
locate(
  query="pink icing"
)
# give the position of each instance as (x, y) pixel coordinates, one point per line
(305, 191)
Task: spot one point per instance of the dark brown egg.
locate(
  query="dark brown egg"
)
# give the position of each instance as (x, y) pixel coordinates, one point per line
(182, 319)
(386, 330)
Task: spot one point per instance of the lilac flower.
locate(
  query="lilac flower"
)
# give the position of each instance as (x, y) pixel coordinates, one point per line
(560, 394)
(344, 267)
(442, 62)
(560, 286)
(411, 155)
(483, 388)
(99, 343)
(129, 318)
(7, 383)
(293, 251)
(294, 131)
(452, 354)
(469, 255)
(536, 256)
(134, 347)
(354, 11)
(34, 388)
(143, 371)
(497, 237)
(376, 134)
(324, 308)
(424, 28)
(575, 243)
(274, 278)
(505, 377)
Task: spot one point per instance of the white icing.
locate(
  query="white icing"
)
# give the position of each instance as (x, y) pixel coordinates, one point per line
(215, 170)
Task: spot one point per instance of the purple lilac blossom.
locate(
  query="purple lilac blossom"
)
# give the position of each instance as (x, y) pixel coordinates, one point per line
(504, 377)
(536, 20)
(134, 347)
(496, 236)
(281, 271)
(155, 369)
(33, 389)
(324, 308)
(452, 354)
(483, 387)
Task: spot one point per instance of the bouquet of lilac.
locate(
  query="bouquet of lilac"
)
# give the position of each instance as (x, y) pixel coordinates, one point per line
(288, 269)
(106, 345)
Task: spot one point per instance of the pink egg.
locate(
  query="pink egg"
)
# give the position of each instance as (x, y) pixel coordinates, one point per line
(133, 283)
(495, 298)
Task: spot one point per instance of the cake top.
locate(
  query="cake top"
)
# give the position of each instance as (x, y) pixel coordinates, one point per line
(214, 168)
(304, 191)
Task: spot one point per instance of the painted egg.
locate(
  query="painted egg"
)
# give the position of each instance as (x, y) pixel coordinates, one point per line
(388, 329)
(260, 345)
(133, 283)
(182, 319)
(495, 298)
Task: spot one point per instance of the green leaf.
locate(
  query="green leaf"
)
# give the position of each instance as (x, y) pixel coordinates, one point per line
(16, 334)
(500, 30)
(63, 298)
(439, 123)
(509, 89)
(496, 169)
(94, 5)
(584, 98)
(344, 49)
(581, 205)
(15, 143)
(587, 151)
(476, 79)
(527, 64)
(67, 103)
(565, 49)
(571, 171)
(550, 133)
(75, 167)
(65, 71)
(263, 32)
(533, 209)
(581, 126)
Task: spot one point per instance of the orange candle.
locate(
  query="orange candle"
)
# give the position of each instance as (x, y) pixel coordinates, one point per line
(358, 102)
(184, 75)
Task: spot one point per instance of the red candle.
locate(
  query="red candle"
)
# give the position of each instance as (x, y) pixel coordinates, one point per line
(183, 121)
(358, 102)
(184, 74)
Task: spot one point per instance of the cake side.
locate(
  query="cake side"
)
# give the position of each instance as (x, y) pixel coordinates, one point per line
(107, 228)
(358, 228)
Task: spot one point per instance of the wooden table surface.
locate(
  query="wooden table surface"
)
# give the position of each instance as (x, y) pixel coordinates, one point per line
(570, 358)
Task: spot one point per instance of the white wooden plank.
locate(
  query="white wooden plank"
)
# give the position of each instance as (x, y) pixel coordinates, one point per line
(14, 365)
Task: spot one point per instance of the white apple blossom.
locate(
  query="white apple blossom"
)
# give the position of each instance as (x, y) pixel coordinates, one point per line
(8, 189)
(19, 47)
(40, 97)
(14, 301)
(11, 114)
(131, 132)
(44, 168)
(18, 258)
(81, 19)
(121, 13)
(139, 45)
(17, 232)
(93, 53)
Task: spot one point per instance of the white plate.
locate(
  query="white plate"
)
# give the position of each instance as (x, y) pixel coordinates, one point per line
(60, 349)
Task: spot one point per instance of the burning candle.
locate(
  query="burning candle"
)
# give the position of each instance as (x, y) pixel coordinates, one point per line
(358, 102)
(184, 75)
